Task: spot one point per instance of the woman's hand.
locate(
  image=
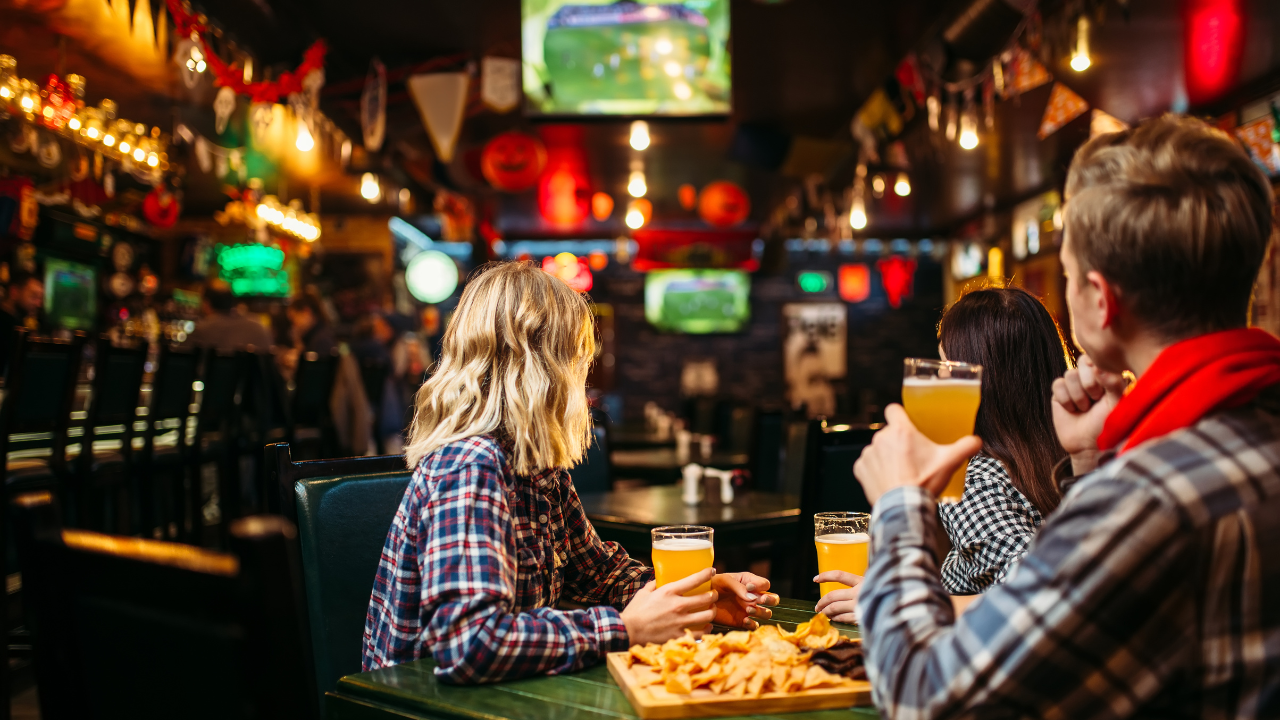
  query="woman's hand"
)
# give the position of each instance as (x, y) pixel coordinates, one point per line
(743, 596)
(840, 605)
(657, 614)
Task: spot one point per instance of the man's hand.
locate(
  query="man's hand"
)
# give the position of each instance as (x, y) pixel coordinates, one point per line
(840, 605)
(742, 596)
(900, 455)
(1082, 400)
(659, 614)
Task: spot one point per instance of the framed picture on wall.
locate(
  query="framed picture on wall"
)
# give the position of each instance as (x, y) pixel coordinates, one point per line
(814, 354)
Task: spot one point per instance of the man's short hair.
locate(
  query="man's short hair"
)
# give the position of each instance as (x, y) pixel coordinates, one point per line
(1177, 217)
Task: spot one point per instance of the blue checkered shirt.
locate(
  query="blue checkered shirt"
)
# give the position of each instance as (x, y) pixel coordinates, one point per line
(1153, 591)
(475, 563)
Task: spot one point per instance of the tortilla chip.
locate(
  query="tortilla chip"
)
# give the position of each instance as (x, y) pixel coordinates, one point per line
(680, 683)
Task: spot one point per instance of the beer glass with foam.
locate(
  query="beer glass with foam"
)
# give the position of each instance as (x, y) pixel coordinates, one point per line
(680, 551)
(941, 398)
(842, 542)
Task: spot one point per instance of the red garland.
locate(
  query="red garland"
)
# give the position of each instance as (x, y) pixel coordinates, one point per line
(268, 91)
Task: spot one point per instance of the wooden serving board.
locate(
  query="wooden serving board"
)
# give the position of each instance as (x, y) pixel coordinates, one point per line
(655, 703)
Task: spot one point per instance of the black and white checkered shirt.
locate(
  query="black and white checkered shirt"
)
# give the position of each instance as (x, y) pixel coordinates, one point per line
(990, 528)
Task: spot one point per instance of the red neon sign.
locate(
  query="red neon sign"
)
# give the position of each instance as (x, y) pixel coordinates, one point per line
(1213, 43)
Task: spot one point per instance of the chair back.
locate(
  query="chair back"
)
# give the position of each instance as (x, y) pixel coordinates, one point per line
(595, 472)
(113, 406)
(40, 387)
(223, 377)
(171, 392)
(312, 389)
(129, 628)
(344, 510)
(828, 486)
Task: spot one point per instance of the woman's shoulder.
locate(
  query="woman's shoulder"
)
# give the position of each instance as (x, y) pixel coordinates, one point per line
(988, 482)
(984, 468)
(449, 459)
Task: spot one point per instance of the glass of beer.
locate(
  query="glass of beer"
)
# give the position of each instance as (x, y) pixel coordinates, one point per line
(842, 539)
(680, 551)
(941, 398)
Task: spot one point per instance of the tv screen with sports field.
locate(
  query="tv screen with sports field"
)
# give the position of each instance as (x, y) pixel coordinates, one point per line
(593, 57)
(697, 301)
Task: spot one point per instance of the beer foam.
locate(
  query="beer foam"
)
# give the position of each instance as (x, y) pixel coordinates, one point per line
(682, 544)
(843, 538)
(935, 382)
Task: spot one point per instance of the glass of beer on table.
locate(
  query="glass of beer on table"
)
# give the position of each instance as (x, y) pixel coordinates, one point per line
(680, 551)
(941, 398)
(842, 542)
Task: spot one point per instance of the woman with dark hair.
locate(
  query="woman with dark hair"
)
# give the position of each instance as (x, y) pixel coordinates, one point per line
(1008, 487)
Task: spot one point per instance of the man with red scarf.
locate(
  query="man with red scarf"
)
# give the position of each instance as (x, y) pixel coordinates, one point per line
(1154, 589)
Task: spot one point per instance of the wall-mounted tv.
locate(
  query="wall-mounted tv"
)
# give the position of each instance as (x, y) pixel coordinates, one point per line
(598, 57)
(70, 294)
(697, 301)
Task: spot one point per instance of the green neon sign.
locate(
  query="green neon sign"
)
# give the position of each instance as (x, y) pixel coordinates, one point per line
(253, 269)
(814, 281)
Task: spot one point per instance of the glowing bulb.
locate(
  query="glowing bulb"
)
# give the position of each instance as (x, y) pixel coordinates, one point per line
(858, 215)
(153, 160)
(968, 139)
(124, 147)
(369, 188)
(262, 211)
(969, 129)
(92, 133)
(637, 186)
(305, 141)
(877, 185)
(28, 104)
(1080, 58)
(108, 139)
(635, 219)
(74, 123)
(682, 90)
(5, 92)
(200, 66)
(639, 135)
(139, 154)
(48, 111)
(903, 186)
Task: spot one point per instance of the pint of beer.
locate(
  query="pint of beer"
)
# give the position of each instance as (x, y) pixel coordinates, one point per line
(942, 398)
(680, 551)
(842, 542)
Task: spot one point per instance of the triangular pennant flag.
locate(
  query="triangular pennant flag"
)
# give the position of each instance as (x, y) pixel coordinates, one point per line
(1256, 137)
(1026, 73)
(441, 99)
(1101, 123)
(373, 106)
(1064, 106)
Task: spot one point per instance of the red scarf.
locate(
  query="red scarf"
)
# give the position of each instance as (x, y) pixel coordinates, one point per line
(1190, 380)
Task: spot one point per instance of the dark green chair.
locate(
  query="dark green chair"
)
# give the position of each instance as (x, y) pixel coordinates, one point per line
(343, 509)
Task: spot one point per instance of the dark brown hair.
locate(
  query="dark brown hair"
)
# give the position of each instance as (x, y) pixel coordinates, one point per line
(1177, 217)
(1020, 348)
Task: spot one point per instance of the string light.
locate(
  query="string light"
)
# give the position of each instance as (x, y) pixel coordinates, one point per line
(139, 154)
(291, 219)
(639, 135)
(858, 214)
(903, 186)
(877, 185)
(637, 187)
(305, 141)
(74, 123)
(635, 218)
(858, 208)
(108, 139)
(969, 126)
(1080, 57)
(369, 188)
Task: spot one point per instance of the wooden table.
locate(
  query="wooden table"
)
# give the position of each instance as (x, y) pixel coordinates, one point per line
(410, 691)
(627, 516)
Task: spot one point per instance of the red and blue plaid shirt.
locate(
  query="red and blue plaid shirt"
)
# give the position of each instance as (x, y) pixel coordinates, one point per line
(477, 560)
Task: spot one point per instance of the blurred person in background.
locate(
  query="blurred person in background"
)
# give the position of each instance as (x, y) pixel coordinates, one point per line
(225, 326)
(23, 307)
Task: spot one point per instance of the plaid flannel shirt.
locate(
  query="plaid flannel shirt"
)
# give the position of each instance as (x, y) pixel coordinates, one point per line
(1152, 591)
(990, 528)
(475, 563)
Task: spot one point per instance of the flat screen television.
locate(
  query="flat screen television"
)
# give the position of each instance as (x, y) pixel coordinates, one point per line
(70, 294)
(598, 57)
(697, 301)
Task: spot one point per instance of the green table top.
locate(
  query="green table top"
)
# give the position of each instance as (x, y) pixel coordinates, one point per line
(411, 691)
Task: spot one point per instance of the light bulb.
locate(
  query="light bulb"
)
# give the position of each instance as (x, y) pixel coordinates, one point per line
(639, 135)
(858, 215)
(903, 186)
(877, 185)
(5, 92)
(369, 188)
(1080, 58)
(635, 219)
(305, 141)
(108, 139)
(139, 154)
(28, 103)
(969, 129)
(92, 133)
(153, 160)
(74, 123)
(124, 147)
(637, 186)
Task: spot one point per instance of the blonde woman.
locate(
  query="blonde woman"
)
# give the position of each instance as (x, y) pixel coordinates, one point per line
(490, 536)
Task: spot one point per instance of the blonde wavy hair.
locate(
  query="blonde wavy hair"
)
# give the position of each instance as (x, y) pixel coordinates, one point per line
(514, 364)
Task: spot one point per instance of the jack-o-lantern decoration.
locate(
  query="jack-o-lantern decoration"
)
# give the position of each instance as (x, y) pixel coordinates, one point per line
(688, 195)
(601, 206)
(512, 161)
(723, 204)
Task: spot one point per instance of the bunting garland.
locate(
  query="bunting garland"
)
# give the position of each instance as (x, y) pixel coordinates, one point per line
(1064, 106)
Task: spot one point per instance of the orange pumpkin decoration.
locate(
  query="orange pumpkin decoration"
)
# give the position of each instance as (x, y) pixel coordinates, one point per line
(688, 195)
(512, 161)
(601, 206)
(723, 204)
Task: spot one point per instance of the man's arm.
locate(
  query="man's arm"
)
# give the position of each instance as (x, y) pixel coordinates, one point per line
(1078, 628)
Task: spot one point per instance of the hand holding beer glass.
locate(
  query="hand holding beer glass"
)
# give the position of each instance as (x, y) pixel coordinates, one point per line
(941, 398)
(842, 540)
(680, 551)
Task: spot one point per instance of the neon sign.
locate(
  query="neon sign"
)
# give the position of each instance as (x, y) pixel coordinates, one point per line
(253, 269)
